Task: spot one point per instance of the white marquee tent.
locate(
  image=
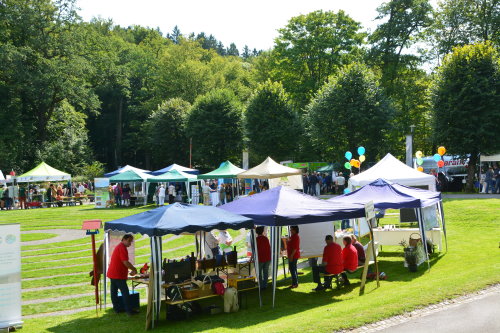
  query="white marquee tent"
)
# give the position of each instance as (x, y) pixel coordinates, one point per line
(269, 169)
(394, 170)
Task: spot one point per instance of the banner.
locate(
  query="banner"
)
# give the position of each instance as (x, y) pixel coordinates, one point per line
(10, 275)
(101, 192)
(293, 182)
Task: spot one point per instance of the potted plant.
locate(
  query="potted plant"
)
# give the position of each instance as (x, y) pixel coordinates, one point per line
(411, 256)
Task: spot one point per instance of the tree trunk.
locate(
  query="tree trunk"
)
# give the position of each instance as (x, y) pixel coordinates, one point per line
(471, 172)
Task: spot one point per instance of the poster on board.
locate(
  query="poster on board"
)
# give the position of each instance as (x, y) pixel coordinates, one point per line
(115, 237)
(10, 275)
(101, 192)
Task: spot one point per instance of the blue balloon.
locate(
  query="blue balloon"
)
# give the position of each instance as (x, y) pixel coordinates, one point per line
(348, 155)
(347, 190)
(437, 157)
(361, 151)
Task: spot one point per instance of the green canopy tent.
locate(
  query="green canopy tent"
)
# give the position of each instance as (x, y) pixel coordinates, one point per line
(43, 173)
(226, 170)
(129, 177)
(326, 168)
(174, 176)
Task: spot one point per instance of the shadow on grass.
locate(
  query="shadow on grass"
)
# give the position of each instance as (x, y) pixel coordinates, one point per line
(288, 302)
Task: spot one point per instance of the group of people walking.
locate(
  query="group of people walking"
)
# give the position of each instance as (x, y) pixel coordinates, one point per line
(315, 183)
(491, 180)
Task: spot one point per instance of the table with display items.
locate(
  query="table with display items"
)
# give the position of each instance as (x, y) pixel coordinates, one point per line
(395, 236)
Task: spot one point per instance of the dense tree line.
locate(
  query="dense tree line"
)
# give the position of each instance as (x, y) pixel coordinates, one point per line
(82, 95)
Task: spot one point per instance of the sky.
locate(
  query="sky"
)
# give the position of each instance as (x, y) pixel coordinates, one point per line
(253, 23)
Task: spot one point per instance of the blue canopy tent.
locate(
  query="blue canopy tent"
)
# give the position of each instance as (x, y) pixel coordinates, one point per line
(172, 219)
(175, 167)
(282, 206)
(388, 195)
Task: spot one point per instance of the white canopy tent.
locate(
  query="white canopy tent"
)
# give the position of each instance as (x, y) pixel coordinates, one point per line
(2, 178)
(492, 158)
(269, 169)
(392, 169)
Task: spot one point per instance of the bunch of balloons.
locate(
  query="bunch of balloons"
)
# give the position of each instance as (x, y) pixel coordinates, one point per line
(438, 157)
(420, 161)
(353, 162)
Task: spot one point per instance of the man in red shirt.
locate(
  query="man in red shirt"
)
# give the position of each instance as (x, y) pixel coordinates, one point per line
(264, 253)
(349, 258)
(332, 262)
(293, 251)
(117, 273)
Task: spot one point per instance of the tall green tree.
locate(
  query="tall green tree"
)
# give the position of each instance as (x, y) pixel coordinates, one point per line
(215, 125)
(312, 47)
(272, 126)
(467, 104)
(350, 110)
(165, 131)
(461, 22)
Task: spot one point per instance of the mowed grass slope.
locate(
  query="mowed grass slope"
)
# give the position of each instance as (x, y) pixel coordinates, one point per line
(471, 263)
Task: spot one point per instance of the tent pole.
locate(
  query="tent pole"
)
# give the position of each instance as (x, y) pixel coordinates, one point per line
(424, 236)
(273, 259)
(256, 261)
(105, 268)
(441, 212)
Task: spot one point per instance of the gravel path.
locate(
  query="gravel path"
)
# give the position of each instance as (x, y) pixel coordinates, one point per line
(62, 236)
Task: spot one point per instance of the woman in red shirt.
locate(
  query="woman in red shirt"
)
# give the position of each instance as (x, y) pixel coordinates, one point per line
(293, 251)
(350, 258)
(264, 253)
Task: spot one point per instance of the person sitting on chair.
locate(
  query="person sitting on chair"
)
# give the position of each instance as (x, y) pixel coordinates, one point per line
(332, 262)
(349, 258)
(360, 249)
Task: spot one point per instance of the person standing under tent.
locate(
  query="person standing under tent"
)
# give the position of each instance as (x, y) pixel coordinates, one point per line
(305, 183)
(225, 241)
(206, 194)
(359, 249)
(117, 273)
(222, 194)
(332, 262)
(212, 243)
(161, 195)
(22, 197)
(171, 193)
(496, 177)
(118, 195)
(349, 258)
(340, 183)
(489, 180)
(313, 180)
(293, 251)
(126, 195)
(264, 253)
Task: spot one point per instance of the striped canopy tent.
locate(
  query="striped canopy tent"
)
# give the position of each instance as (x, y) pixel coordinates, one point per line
(174, 219)
(43, 173)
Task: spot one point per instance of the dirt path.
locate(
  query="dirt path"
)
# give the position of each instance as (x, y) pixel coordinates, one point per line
(62, 236)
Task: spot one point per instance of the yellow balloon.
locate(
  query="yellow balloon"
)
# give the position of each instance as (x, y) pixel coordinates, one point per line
(362, 158)
(420, 169)
(441, 150)
(419, 154)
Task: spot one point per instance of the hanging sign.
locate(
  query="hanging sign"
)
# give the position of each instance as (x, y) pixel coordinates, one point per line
(370, 210)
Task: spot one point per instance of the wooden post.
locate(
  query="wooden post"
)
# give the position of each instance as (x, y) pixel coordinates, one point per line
(96, 285)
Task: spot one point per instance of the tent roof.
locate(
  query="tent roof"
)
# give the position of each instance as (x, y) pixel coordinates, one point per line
(179, 219)
(226, 170)
(392, 169)
(172, 176)
(175, 167)
(492, 158)
(269, 169)
(123, 169)
(326, 168)
(387, 195)
(282, 206)
(43, 172)
(129, 176)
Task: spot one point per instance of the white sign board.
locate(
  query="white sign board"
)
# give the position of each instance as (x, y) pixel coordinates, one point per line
(293, 182)
(101, 192)
(312, 238)
(10, 275)
(370, 210)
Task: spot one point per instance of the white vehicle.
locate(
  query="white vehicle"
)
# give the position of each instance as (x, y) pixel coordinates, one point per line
(451, 175)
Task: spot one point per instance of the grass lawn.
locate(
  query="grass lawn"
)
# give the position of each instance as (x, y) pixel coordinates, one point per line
(37, 236)
(471, 263)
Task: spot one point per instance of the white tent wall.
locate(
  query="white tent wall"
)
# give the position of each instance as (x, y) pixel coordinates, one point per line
(294, 182)
(492, 158)
(312, 238)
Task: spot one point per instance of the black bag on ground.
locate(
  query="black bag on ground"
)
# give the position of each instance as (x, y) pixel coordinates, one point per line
(179, 312)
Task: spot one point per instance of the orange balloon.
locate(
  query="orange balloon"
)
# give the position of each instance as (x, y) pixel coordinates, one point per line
(358, 164)
(441, 150)
(353, 162)
(420, 169)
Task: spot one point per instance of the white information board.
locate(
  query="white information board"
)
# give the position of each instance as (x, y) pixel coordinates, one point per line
(10, 275)
(312, 238)
(101, 192)
(294, 182)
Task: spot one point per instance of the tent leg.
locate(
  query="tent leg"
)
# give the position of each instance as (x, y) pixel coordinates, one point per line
(256, 261)
(424, 236)
(441, 212)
